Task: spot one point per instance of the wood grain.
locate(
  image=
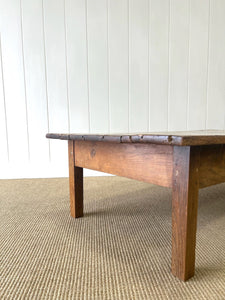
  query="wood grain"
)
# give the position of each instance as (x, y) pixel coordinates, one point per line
(212, 165)
(145, 162)
(76, 184)
(184, 210)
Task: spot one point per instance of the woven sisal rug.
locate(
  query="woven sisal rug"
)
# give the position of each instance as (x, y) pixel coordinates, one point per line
(120, 249)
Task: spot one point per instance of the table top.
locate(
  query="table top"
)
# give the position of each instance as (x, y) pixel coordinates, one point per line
(179, 138)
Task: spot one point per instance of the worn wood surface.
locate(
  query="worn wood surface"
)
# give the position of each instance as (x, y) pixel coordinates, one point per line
(184, 210)
(76, 184)
(145, 162)
(187, 138)
(212, 165)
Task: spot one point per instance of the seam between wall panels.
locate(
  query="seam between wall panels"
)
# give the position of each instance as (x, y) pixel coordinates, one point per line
(46, 80)
(66, 66)
(3, 88)
(188, 69)
(24, 80)
(208, 64)
(169, 66)
(87, 68)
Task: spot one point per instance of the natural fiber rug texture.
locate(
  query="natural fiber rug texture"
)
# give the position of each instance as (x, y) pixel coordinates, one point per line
(120, 249)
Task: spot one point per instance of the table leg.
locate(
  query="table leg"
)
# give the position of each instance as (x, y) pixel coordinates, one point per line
(76, 184)
(184, 210)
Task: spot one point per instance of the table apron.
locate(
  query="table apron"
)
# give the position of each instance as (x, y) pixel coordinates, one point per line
(146, 162)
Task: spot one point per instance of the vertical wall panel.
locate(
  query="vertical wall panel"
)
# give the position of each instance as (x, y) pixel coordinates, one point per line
(198, 60)
(138, 51)
(76, 42)
(159, 35)
(105, 66)
(54, 28)
(33, 45)
(98, 65)
(118, 65)
(179, 58)
(216, 78)
(13, 72)
(3, 124)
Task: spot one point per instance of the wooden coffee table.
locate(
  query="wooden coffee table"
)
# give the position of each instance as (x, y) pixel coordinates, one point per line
(183, 161)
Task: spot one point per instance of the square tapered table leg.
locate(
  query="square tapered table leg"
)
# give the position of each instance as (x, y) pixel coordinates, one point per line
(76, 184)
(184, 210)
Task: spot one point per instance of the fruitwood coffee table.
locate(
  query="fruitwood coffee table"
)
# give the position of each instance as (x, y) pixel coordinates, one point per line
(183, 161)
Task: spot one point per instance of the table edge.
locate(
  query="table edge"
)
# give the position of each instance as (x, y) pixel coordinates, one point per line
(175, 140)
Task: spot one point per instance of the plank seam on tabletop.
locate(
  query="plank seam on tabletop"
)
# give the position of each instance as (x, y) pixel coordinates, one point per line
(24, 79)
(45, 75)
(66, 65)
(208, 65)
(4, 102)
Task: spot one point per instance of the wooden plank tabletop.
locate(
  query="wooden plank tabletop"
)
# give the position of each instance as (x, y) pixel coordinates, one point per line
(179, 138)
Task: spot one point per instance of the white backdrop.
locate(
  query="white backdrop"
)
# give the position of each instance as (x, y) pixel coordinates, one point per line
(104, 66)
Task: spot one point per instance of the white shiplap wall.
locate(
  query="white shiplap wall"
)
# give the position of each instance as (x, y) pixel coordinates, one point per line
(104, 66)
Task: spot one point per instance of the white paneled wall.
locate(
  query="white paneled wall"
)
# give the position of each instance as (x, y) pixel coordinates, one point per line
(104, 66)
